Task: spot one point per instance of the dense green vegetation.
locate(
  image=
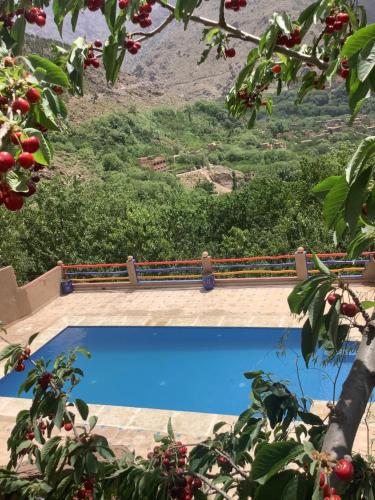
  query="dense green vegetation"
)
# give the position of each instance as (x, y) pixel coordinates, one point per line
(151, 216)
(120, 209)
(115, 141)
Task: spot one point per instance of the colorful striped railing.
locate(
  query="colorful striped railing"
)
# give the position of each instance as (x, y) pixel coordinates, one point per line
(272, 267)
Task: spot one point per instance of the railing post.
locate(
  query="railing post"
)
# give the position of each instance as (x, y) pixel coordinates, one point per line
(206, 264)
(132, 275)
(61, 264)
(301, 264)
(369, 272)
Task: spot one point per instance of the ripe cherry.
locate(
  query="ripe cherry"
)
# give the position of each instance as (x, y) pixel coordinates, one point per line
(21, 105)
(15, 138)
(222, 460)
(68, 426)
(343, 17)
(98, 43)
(182, 450)
(344, 72)
(337, 25)
(6, 161)
(3, 100)
(94, 5)
(26, 160)
(230, 52)
(30, 436)
(40, 21)
(33, 95)
(57, 89)
(20, 367)
(344, 470)
(332, 297)
(322, 480)
(123, 4)
(13, 201)
(44, 380)
(349, 310)
(31, 145)
(197, 483)
(330, 29)
(276, 69)
(166, 462)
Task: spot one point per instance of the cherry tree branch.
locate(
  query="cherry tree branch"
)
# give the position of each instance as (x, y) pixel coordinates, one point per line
(211, 485)
(222, 22)
(247, 37)
(161, 27)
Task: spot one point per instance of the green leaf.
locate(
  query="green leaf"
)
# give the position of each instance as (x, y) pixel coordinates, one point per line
(322, 267)
(18, 35)
(83, 351)
(356, 197)
(368, 304)
(50, 446)
(299, 488)
(272, 457)
(17, 181)
(309, 418)
(82, 408)
(32, 338)
(170, 429)
(334, 317)
(284, 22)
(308, 341)
(366, 62)
(54, 74)
(358, 40)
(327, 184)
(60, 413)
(254, 374)
(273, 487)
(92, 421)
(363, 153)
(334, 202)
(360, 243)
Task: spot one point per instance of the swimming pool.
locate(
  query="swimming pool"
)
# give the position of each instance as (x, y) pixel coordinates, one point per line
(182, 368)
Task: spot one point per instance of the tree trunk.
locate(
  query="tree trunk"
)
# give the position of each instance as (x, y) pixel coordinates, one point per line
(351, 406)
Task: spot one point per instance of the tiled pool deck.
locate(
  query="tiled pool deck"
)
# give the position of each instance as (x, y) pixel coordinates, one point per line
(135, 427)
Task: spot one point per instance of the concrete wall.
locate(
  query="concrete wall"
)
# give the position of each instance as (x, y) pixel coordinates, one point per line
(17, 302)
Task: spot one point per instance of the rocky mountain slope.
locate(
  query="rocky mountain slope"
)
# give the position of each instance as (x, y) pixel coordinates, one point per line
(167, 63)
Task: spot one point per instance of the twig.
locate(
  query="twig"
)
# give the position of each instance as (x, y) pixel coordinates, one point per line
(222, 21)
(163, 25)
(247, 37)
(357, 302)
(212, 486)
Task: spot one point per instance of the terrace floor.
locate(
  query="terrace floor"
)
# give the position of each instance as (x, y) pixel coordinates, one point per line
(134, 427)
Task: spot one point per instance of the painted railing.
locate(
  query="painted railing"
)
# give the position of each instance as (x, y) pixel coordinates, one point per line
(280, 268)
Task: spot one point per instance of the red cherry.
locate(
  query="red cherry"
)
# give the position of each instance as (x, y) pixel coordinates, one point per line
(68, 426)
(133, 50)
(27, 351)
(166, 462)
(349, 310)
(137, 45)
(95, 62)
(242, 3)
(337, 25)
(13, 201)
(330, 29)
(6, 161)
(44, 380)
(123, 4)
(26, 160)
(330, 20)
(322, 480)
(129, 43)
(276, 69)
(15, 138)
(228, 4)
(3, 100)
(344, 469)
(30, 436)
(182, 450)
(290, 43)
(181, 461)
(344, 73)
(343, 17)
(222, 460)
(332, 297)
(197, 483)
(31, 145)
(94, 5)
(30, 16)
(21, 105)
(20, 367)
(57, 89)
(230, 52)
(40, 21)
(98, 43)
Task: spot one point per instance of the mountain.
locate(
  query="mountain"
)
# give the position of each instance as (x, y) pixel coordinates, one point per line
(167, 63)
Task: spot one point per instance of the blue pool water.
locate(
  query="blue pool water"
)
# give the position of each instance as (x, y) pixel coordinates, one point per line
(182, 368)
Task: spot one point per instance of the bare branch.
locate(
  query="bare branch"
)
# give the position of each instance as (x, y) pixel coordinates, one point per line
(212, 486)
(247, 37)
(222, 21)
(163, 25)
